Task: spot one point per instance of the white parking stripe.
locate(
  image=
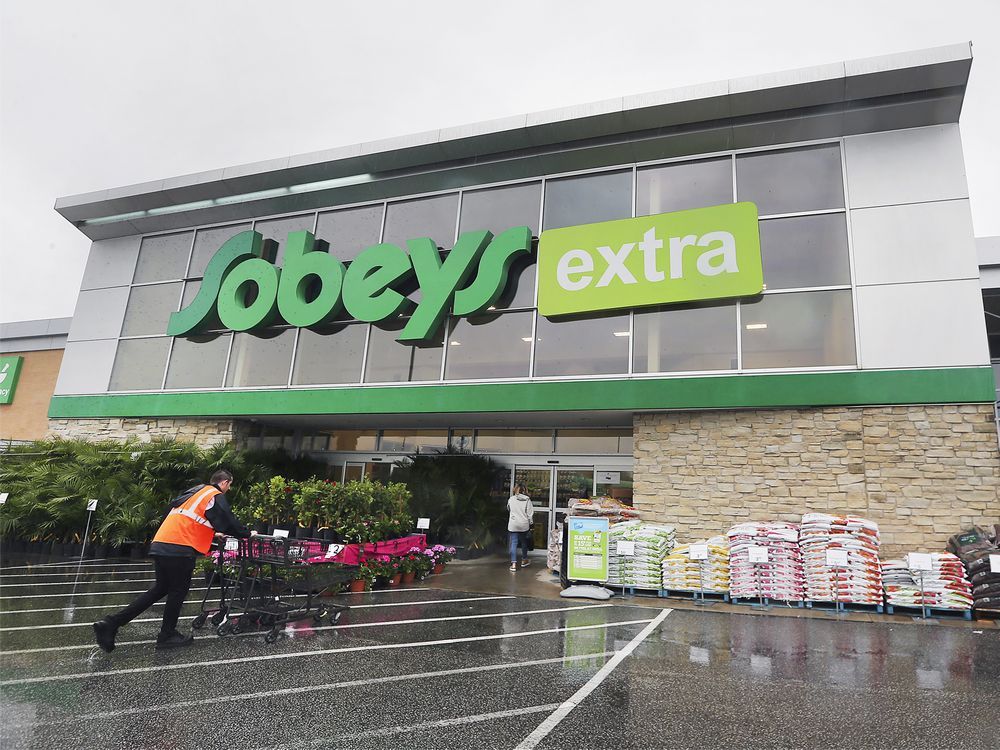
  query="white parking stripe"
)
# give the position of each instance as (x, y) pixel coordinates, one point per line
(81, 594)
(317, 628)
(91, 564)
(327, 686)
(83, 571)
(191, 617)
(318, 652)
(458, 721)
(543, 729)
(70, 583)
(105, 606)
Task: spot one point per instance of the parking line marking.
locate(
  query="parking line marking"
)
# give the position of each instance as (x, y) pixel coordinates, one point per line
(92, 564)
(389, 731)
(543, 729)
(81, 594)
(345, 626)
(191, 617)
(71, 583)
(155, 604)
(327, 686)
(83, 571)
(320, 652)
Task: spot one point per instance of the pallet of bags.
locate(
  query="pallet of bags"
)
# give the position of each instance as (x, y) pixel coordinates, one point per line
(555, 547)
(974, 547)
(944, 587)
(605, 507)
(650, 544)
(781, 577)
(681, 573)
(857, 582)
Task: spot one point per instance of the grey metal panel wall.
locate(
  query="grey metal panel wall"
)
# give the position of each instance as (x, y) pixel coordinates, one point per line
(86, 367)
(111, 262)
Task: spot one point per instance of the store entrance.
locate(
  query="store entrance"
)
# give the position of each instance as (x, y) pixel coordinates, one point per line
(551, 489)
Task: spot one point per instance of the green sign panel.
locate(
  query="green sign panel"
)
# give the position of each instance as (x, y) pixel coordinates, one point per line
(587, 549)
(243, 289)
(10, 370)
(701, 254)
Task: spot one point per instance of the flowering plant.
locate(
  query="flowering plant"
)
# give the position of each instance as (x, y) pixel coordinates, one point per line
(384, 566)
(442, 554)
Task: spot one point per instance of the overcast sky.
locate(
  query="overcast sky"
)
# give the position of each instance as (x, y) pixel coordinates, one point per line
(101, 94)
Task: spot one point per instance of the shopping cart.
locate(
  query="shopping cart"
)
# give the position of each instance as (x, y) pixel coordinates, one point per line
(268, 582)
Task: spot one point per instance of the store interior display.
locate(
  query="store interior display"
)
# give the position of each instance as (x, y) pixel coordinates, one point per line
(975, 547)
(780, 575)
(681, 573)
(638, 562)
(854, 580)
(943, 587)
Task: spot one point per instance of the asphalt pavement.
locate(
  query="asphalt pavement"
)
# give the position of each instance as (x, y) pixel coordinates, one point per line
(430, 667)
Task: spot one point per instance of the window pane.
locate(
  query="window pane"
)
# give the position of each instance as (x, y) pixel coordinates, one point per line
(350, 231)
(804, 329)
(514, 441)
(805, 251)
(392, 362)
(139, 364)
(498, 209)
(163, 258)
(780, 182)
(677, 187)
(274, 438)
(378, 472)
(149, 308)
(206, 242)
(620, 489)
(408, 441)
(330, 354)
(587, 199)
(489, 346)
(425, 217)
(261, 358)
(689, 338)
(581, 347)
(352, 440)
(590, 441)
(198, 361)
(461, 440)
(279, 229)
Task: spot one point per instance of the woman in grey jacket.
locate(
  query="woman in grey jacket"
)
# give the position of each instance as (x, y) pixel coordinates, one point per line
(519, 521)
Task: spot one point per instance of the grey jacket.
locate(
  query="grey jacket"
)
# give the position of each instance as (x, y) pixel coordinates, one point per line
(521, 511)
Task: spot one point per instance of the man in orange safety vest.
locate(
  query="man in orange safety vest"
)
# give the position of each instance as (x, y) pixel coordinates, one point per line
(187, 532)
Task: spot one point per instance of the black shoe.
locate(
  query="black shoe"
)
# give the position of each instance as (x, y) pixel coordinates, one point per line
(174, 640)
(105, 633)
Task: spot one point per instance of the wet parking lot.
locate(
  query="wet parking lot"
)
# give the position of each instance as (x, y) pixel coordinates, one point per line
(447, 668)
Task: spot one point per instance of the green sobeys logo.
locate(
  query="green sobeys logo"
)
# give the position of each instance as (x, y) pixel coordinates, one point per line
(245, 290)
(684, 256)
(701, 254)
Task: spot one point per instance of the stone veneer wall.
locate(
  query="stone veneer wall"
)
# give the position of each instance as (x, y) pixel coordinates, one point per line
(921, 472)
(203, 432)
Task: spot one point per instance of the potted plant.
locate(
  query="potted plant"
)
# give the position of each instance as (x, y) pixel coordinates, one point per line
(442, 556)
(409, 564)
(365, 579)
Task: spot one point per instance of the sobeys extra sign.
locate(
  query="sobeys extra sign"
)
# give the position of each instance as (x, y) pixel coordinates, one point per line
(705, 253)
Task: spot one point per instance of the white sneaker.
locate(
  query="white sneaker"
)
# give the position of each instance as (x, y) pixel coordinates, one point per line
(526, 563)
(513, 567)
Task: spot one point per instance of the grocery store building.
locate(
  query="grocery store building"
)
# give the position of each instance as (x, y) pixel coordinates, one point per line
(610, 347)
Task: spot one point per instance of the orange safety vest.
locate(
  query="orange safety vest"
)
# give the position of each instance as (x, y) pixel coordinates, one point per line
(187, 525)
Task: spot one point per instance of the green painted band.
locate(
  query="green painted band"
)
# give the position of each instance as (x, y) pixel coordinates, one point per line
(854, 388)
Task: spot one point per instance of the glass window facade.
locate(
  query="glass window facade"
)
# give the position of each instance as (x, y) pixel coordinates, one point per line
(594, 441)
(277, 231)
(806, 259)
(678, 187)
(163, 258)
(198, 361)
(149, 309)
(413, 441)
(514, 441)
(139, 364)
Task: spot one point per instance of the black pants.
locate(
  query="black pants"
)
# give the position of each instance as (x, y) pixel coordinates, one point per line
(173, 579)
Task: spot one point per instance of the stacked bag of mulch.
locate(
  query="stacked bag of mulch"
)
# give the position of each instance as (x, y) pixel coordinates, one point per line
(606, 507)
(681, 573)
(944, 587)
(974, 548)
(781, 577)
(651, 543)
(860, 581)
